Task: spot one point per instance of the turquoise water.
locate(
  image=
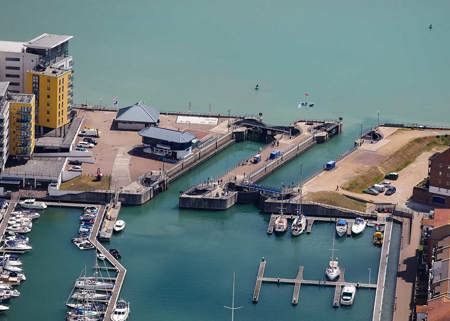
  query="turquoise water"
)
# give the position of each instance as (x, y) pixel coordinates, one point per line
(354, 58)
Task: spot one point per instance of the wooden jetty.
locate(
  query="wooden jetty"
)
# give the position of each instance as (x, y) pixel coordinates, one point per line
(7, 213)
(338, 290)
(310, 220)
(299, 280)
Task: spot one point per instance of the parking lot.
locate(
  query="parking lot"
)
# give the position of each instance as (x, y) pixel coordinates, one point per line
(371, 155)
(113, 153)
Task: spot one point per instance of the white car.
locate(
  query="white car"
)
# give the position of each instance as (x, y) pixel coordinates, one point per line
(75, 168)
(85, 145)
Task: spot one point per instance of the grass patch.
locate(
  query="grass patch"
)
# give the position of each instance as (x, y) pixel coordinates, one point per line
(86, 183)
(397, 161)
(336, 199)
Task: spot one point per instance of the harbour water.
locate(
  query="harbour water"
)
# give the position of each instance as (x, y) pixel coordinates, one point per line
(354, 58)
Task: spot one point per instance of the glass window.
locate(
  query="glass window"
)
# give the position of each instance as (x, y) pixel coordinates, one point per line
(12, 59)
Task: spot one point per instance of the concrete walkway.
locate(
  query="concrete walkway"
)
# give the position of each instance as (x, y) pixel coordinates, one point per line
(407, 268)
(121, 169)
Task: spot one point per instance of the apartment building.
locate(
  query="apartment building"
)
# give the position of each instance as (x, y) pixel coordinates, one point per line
(4, 124)
(43, 67)
(21, 125)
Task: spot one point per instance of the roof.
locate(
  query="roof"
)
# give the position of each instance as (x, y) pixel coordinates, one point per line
(441, 217)
(11, 46)
(20, 98)
(165, 134)
(437, 310)
(47, 41)
(139, 112)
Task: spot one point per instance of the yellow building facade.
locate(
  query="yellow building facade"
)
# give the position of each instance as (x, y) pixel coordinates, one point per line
(53, 91)
(21, 125)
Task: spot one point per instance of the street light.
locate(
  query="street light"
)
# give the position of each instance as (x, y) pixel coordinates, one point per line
(370, 270)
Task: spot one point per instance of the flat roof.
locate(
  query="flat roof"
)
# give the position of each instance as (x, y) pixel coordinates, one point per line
(47, 41)
(168, 135)
(441, 217)
(41, 167)
(20, 98)
(51, 71)
(12, 46)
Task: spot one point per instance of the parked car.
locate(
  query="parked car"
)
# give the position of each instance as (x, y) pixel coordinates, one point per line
(75, 162)
(379, 188)
(371, 191)
(81, 149)
(90, 140)
(390, 190)
(75, 168)
(392, 176)
(85, 144)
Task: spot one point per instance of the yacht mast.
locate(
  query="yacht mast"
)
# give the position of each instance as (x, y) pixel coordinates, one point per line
(232, 308)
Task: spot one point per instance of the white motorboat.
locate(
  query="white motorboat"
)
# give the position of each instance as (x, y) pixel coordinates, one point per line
(92, 284)
(4, 286)
(26, 214)
(15, 246)
(341, 227)
(119, 226)
(89, 295)
(33, 204)
(18, 229)
(281, 224)
(4, 307)
(9, 293)
(11, 268)
(121, 311)
(101, 256)
(359, 225)
(298, 225)
(348, 295)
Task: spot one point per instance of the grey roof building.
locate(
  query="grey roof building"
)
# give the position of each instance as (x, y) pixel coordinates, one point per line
(167, 144)
(136, 117)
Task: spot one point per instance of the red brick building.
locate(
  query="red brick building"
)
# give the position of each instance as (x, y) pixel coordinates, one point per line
(436, 189)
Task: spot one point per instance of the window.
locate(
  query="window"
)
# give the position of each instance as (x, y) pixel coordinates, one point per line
(48, 120)
(12, 59)
(48, 96)
(12, 76)
(12, 68)
(48, 112)
(13, 83)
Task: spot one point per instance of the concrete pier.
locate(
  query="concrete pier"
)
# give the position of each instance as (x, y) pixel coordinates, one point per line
(6, 214)
(257, 290)
(107, 227)
(297, 285)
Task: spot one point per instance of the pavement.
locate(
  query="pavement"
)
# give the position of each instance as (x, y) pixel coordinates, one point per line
(407, 268)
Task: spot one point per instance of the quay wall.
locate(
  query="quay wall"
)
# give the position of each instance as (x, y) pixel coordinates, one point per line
(209, 203)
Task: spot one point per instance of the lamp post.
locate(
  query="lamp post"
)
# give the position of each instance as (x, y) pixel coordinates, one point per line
(370, 271)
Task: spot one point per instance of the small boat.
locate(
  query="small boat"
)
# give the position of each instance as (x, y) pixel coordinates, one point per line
(4, 307)
(115, 253)
(87, 217)
(92, 284)
(89, 295)
(298, 225)
(333, 271)
(82, 243)
(341, 227)
(121, 311)
(101, 256)
(348, 295)
(281, 224)
(359, 225)
(6, 294)
(119, 225)
(33, 204)
(26, 214)
(378, 236)
(15, 246)
(90, 210)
